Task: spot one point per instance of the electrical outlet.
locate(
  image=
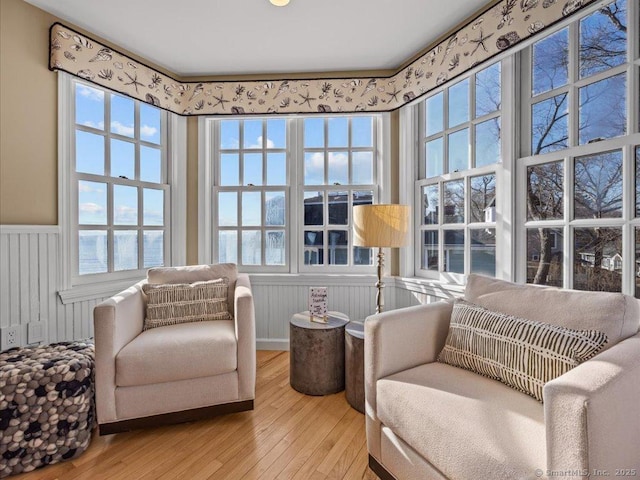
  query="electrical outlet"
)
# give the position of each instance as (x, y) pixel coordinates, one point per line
(36, 331)
(10, 337)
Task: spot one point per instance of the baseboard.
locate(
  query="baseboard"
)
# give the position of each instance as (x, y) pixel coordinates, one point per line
(272, 344)
(175, 417)
(379, 470)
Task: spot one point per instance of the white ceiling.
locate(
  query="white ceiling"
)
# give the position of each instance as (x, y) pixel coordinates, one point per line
(219, 37)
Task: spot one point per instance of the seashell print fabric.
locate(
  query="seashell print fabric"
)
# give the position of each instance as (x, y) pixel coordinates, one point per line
(497, 29)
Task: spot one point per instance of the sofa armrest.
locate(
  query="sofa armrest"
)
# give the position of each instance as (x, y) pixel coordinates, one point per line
(245, 320)
(593, 415)
(116, 322)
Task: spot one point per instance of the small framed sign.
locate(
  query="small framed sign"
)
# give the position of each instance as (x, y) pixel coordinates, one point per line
(318, 304)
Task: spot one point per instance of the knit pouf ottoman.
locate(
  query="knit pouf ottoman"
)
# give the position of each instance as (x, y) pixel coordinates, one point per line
(47, 407)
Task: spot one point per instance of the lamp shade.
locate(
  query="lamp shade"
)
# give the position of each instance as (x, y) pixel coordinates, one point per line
(380, 225)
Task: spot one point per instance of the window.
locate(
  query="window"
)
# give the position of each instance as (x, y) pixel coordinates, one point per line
(283, 189)
(460, 129)
(582, 124)
(115, 185)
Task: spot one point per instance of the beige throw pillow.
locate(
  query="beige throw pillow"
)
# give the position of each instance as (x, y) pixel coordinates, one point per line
(523, 354)
(170, 304)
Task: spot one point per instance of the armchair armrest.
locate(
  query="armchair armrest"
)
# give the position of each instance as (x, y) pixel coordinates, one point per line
(116, 322)
(592, 413)
(245, 321)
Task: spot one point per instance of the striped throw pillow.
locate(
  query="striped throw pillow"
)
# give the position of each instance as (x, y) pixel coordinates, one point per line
(169, 304)
(523, 354)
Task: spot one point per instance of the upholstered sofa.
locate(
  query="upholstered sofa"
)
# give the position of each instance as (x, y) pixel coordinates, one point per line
(177, 372)
(430, 420)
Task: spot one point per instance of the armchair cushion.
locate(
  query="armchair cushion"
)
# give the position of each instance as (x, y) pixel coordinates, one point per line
(178, 352)
(523, 354)
(170, 304)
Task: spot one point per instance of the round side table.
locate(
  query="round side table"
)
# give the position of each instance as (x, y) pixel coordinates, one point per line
(354, 365)
(317, 354)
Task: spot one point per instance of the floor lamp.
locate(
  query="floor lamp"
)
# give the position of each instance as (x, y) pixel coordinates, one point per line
(381, 226)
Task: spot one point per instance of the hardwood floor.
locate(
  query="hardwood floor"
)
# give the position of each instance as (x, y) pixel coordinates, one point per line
(288, 435)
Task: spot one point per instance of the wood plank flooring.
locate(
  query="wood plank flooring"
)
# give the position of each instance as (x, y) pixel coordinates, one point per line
(287, 436)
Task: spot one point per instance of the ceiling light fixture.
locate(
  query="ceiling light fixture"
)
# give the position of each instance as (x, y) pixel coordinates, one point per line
(279, 3)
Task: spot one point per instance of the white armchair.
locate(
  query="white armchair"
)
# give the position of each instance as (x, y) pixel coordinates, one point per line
(174, 373)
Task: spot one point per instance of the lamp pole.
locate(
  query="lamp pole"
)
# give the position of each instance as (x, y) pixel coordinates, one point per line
(380, 283)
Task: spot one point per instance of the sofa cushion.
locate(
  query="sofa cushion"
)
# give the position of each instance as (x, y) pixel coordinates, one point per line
(614, 314)
(523, 354)
(173, 303)
(197, 273)
(177, 352)
(466, 425)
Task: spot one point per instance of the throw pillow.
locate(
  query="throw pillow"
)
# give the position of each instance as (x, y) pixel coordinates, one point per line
(170, 304)
(523, 354)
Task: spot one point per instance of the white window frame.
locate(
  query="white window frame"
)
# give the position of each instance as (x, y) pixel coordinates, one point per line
(75, 287)
(208, 133)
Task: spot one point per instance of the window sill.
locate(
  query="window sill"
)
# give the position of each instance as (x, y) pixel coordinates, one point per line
(92, 291)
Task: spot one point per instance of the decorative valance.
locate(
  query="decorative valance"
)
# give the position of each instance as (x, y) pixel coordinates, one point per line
(496, 29)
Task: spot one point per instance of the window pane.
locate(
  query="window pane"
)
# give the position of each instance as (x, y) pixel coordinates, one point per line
(313, 248)
(430, 252)
(251, 209)
(363, 197)
(638, 181)
(125, 205)
(92, 251)
(603, 39)
(229, 169)
(362, 168)
(230, 134)
(545, 191)
(549, 125)
(89, 153)
(92, 203)
(338, 168)
(122, 116)
(598, 259)
(551, 62)
(228, 209)
(228, 246)
(89, 106)
(434, 114)
(123, 159)
(459, 151)
(252, 134)
(338, 208)
(338, 132)
(313, 132)
(274, 248)
(603, 112)
(252, 168)
(149, 123)
(598, 186)
(362, 256)
(483, 251)
(276, 169)
(488, 93)
(150, 164)
(483, 199)
(488, 142)
(153, 248)
(251, 247)
(459, 103)
(314, 168)
(276, 133)
(338, 241)
(454, 251)
(125, 250)
(636, 269)
(431, 203)
(274, 204)
(545, 256)
(362, 132)
(313, 208)
(153, 206)
(454, 201)
(434, 158)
